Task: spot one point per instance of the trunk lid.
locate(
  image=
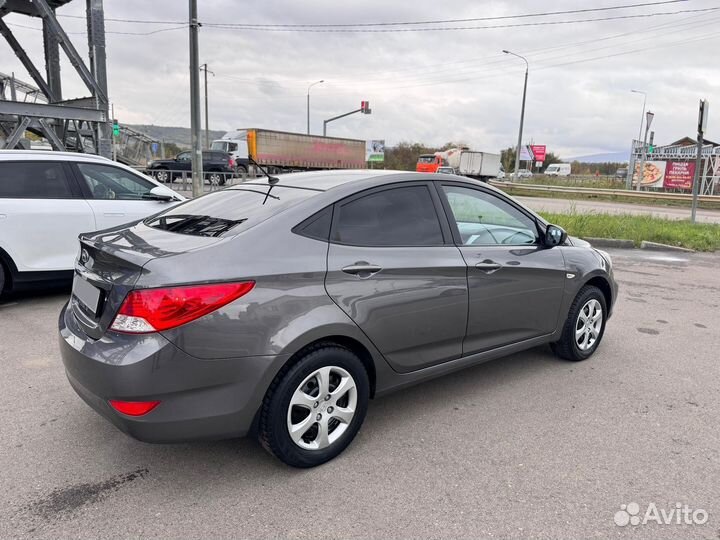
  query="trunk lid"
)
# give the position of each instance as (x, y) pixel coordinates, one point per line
(111, 262)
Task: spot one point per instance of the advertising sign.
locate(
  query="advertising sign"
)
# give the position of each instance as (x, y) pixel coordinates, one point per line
(538, 151)
(679, 175)
(375, 150)
(525, 154)
(653, 175)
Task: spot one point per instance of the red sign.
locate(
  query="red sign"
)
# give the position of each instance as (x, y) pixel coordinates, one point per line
(538, 151)
(679, 175)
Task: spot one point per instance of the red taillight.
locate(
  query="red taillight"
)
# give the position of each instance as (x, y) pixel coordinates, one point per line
(153, 310)
(133, 408)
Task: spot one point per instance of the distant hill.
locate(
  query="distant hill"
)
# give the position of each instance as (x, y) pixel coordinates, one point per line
(612, 157)
(176, 135)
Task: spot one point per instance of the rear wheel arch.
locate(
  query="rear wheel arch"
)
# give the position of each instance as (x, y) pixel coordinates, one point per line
(346, 342)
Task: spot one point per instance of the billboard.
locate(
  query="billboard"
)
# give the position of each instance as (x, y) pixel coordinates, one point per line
(538, 151)
(375, 150)
(652, 176)
(679, 175)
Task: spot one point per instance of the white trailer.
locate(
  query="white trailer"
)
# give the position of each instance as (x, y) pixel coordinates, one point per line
(483, 165)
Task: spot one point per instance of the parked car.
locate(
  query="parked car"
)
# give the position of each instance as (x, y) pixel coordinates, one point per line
(446, 170)
(325, 289)
(621, 173)
(522, 173)
(218, 167)
(48, 198)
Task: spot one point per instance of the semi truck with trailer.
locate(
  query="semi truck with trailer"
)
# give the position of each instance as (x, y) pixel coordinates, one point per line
(279, 151)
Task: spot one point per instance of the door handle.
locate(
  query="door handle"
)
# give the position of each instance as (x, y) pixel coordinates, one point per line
(362, 269)
(488, 266)
(114, 214)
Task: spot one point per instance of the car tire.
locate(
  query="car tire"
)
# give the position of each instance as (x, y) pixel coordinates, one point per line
(163, 176)
(295, 402)
(215, 178)
(585, 325)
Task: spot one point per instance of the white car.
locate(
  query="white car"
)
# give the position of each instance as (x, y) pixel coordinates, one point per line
(522, 173)
(48, 198)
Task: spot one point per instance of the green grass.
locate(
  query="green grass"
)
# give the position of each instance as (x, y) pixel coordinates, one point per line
(700, 236)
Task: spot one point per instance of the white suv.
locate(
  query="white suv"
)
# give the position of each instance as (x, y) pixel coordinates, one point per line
(48, 198)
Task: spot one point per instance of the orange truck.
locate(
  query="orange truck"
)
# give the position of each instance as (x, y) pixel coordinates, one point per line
(481, 165)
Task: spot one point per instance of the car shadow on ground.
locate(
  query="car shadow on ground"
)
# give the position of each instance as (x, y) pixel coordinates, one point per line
(43, 292)
(245, 459)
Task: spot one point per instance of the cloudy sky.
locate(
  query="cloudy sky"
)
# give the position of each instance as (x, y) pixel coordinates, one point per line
(428, 86)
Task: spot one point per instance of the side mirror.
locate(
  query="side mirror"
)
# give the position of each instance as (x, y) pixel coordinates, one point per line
(159, 193)
(554, 236)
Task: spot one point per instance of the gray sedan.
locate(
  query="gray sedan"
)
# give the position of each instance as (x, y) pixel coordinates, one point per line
(280, 307)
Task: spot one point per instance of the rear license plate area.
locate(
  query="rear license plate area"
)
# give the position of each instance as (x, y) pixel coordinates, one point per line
(87, 294)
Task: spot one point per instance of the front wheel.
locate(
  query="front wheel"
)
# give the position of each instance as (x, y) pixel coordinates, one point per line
(584, 327)
(314, 409)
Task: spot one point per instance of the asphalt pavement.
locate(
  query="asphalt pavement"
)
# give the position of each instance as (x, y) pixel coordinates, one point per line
(525, 446)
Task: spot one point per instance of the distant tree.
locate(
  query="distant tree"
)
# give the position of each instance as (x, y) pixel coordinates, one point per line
(404, 155)
(507, 158)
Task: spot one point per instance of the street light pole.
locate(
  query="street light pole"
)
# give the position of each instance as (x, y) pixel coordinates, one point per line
(641, 171)
(196, 151)
(522, 111)
(631, 162)
(642, 118)
(308, 103)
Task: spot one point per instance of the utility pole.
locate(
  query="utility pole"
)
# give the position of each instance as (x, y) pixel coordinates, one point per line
(631, 164)
(114, 148)
(641, 171)
(702, 125)
(522, 111)
(196, 150)
(207, 122)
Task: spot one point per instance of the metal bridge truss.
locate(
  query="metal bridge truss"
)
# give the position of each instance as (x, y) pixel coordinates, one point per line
(79, 124)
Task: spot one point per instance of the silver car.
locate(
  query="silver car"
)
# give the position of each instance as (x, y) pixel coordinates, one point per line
(279, 307)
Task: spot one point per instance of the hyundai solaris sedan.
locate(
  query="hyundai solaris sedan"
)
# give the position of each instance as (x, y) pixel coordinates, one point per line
(279, 307)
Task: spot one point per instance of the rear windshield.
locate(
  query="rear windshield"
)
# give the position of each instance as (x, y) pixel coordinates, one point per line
(228, 212)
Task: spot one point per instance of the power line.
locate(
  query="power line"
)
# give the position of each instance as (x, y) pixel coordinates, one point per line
(406, 23)
(358, 30)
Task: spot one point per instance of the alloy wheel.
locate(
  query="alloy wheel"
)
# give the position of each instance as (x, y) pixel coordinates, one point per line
(588, 324)
(322, 408)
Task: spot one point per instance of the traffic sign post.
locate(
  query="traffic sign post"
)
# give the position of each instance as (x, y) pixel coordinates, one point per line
(702, 126)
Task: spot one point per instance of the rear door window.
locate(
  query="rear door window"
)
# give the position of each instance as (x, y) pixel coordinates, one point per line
(105, 182)
(34, 180)
(401, 216)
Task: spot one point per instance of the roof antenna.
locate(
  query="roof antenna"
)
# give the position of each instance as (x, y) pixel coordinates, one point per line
(272, 180)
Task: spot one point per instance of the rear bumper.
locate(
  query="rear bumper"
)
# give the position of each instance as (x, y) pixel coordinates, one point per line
(199, 399)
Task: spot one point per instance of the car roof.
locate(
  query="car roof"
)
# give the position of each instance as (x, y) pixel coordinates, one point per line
(324, 180)
(50, 155)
